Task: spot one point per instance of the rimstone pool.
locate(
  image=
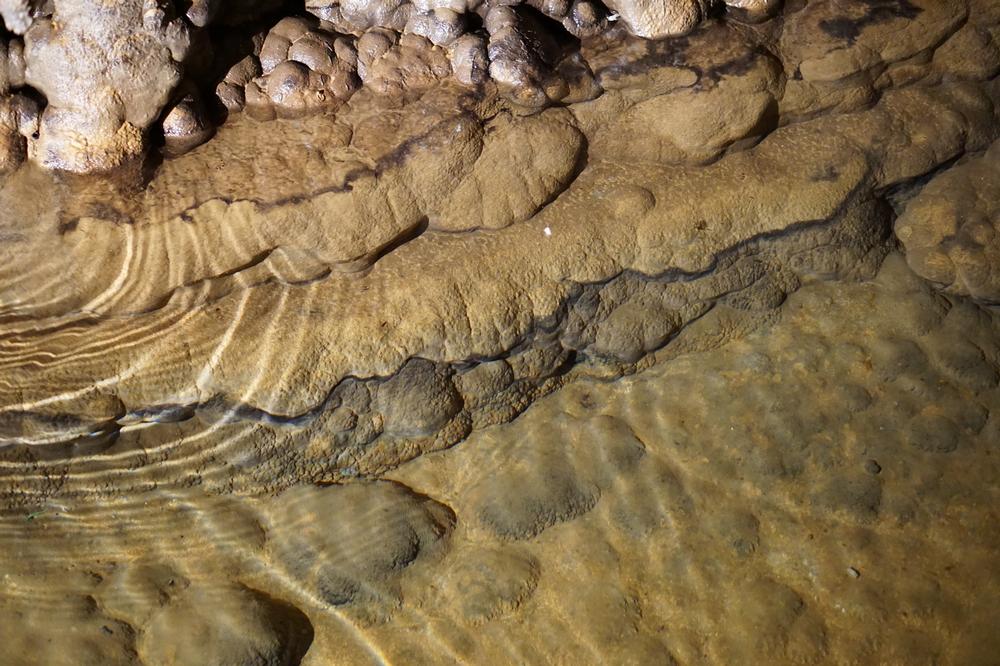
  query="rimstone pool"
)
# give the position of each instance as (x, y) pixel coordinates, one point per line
(459, 332)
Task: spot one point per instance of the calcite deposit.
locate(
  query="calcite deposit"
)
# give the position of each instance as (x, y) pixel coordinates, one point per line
(551, 332)
(118, 78)
(950, 228)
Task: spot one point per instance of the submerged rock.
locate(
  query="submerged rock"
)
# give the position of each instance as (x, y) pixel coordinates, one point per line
(951, 228)
(488, 333)
(397, 245)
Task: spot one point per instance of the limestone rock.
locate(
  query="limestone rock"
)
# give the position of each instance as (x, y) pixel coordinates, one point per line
(18, 123)
(431, 352)
(951, 228)
(186, 126)
(417, 400)
(100, 101)
(304, 70)
(229, 627)
(656, 20)
(350, 544)
(18, 14)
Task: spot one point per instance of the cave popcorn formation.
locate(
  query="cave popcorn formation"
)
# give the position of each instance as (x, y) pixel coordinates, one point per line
(115, 76)
(437, 311)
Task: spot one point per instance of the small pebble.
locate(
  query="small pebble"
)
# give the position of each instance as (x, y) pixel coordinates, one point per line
(872, 467)
(853, 573)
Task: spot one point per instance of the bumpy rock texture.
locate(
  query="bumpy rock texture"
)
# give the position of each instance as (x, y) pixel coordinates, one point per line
(106, 71)
(951, 229)
(759, 499)
(117, 76)
(232, 382)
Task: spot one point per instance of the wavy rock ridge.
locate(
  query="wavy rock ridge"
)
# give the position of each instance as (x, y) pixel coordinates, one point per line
(281, 333)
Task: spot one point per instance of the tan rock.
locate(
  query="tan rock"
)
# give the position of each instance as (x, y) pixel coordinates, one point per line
(101, 101)
(226, 627)
(950, 228)
(656, 20)
(351, 387)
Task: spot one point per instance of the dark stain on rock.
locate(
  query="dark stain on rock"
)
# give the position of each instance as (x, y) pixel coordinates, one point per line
(876, 11)
(440, 132)
(829, 173)
(736, 67)
(654, 55)
(680, 53)
(98, 210)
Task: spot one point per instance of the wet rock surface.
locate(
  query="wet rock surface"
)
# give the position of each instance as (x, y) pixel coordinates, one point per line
(950, 228)
(419, 316)
(591, 236)
(116, 79)
(774, 493)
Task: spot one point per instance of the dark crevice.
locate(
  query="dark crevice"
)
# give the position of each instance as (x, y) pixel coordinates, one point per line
(294, 627)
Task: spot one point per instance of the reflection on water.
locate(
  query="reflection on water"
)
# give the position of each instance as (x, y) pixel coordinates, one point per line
(765, 499)
(453, 385)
